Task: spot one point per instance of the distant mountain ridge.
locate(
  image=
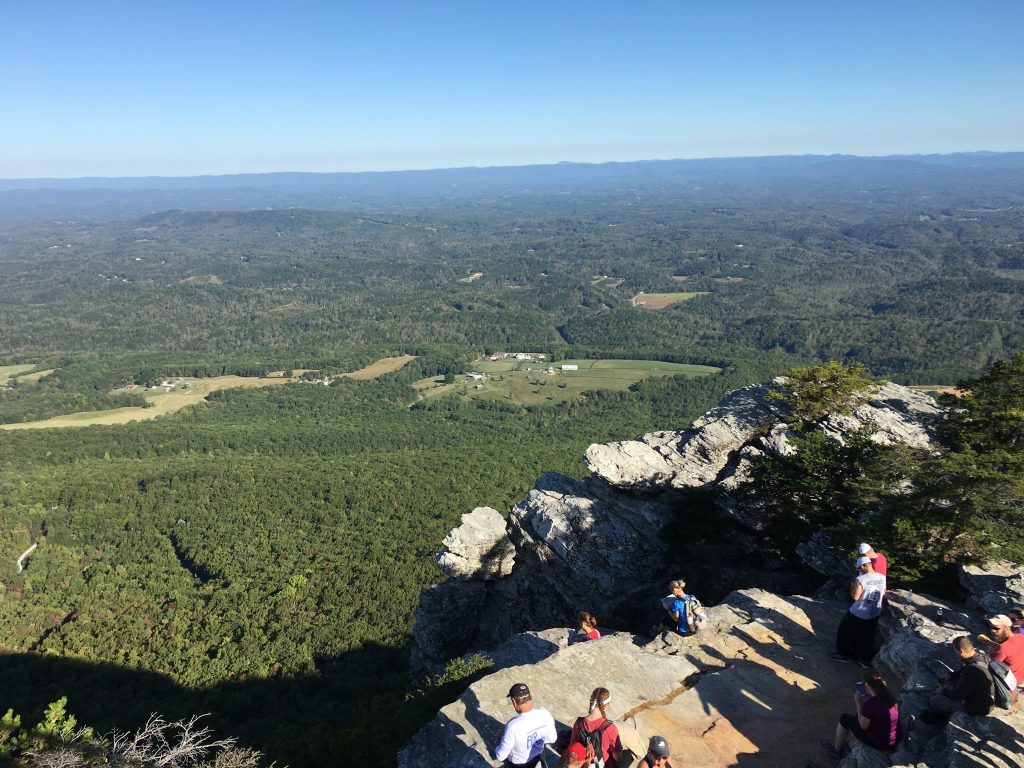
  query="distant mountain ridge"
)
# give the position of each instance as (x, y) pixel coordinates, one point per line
(414, 190)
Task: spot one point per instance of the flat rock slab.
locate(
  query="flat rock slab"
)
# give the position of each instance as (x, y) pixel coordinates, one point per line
(754, 688)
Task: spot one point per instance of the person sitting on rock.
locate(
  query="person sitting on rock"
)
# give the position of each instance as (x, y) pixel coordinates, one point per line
(878, 561)
(855, 637)
(877, 722)
(657, 755)
(970, 689)
(1006, 646)
(587, 629)
(598, 734)
(522, 743)
(686, 611)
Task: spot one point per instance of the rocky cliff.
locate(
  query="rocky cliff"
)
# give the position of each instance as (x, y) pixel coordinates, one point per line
(755, 687)
(594, 544)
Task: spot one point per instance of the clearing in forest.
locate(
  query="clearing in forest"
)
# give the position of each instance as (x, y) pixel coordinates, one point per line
(662, 300)
(527, 382)
(379, 368)
(185, 392)
(36, 376)
(8, 372)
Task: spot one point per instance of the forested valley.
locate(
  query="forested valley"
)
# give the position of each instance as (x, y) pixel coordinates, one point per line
(259, 556)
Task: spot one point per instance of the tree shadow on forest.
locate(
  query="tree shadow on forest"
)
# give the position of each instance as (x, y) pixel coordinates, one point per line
(350, 711)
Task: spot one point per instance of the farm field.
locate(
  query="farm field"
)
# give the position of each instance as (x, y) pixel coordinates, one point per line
(161, 403)
(526, 382)
(8, 372)
(186, 392)
(662, 300)
(379, 368)
(36, 376)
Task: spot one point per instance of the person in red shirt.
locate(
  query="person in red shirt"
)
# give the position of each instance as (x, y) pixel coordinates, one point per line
(1007, 646)
(878, 561)
(587, 629)
(597, 722)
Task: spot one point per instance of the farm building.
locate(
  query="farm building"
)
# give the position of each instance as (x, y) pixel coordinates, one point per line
(570, 367)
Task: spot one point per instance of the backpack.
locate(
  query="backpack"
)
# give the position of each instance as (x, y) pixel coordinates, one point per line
(1004, 684)
(591, 740)
(695, 613)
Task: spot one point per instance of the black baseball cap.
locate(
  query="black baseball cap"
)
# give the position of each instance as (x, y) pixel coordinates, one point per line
(519, 691)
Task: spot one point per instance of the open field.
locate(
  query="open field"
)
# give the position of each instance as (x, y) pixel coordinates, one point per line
(31, 377)
(379, 368)
(527, 383)
(662, 300)
(162, 403)
(945, 389)
(8, 372)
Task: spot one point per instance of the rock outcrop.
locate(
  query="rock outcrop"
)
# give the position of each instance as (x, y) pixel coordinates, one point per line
(595, 544)
(754, 688)
(479, 548)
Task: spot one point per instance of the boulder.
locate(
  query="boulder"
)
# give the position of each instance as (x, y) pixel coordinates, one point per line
(479, 548)
(993, 587)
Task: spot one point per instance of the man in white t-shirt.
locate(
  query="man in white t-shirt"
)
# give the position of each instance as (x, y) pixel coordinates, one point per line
(856, 636)
(522, 744)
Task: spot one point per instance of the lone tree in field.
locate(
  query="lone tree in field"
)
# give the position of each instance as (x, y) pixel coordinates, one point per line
(815, 392)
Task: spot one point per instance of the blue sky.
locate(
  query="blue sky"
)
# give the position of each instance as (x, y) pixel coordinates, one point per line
(182, 88)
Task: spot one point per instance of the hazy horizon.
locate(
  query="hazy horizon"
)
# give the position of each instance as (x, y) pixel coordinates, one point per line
(316, 87)
(907, 155)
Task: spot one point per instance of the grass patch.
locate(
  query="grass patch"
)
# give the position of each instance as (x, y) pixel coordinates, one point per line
(36, 376)
(662, 300)
(526, 382)
(379, 368)
(186, 392)
(8, 372)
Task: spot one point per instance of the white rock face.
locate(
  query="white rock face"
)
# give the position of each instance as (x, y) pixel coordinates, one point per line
(479, 548)
(706, 452)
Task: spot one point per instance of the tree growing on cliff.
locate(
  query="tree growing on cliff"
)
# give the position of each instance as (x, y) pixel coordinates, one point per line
(815, 392)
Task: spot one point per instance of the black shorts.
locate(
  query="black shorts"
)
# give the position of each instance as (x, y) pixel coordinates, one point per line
(852, 724)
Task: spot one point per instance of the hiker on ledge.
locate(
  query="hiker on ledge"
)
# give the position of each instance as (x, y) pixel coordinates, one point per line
(598, 735)
(970, 689)
(855, 638)
(657, 755)
(686, 611)
(877, 722)
(587, 629)
(522, 744)
(878, 561)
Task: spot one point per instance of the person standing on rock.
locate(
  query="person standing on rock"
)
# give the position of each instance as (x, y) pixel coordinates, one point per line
(596, 730)
(657, 755)
(522, 743)
(878, 561)
(855, 638)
